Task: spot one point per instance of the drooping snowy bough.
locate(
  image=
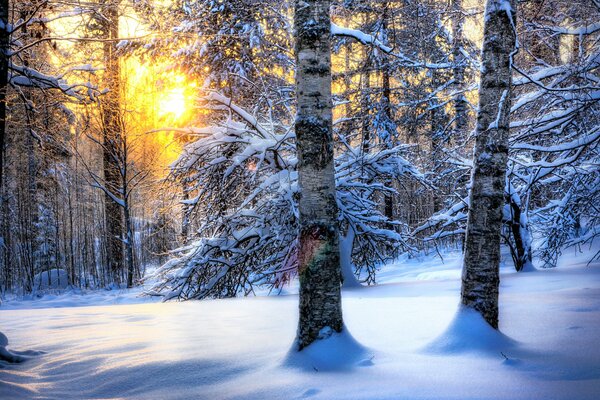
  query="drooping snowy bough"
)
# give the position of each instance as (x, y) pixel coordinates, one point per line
(241, 180)
(552, 187)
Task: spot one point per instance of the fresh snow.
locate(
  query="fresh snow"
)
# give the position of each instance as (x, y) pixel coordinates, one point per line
(75, 297)
(406, 338)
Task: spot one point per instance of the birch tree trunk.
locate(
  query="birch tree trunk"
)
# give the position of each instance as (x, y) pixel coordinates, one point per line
(480, 277)
(319, 257)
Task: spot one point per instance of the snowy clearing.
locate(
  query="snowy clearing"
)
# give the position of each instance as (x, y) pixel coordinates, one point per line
(411, 344)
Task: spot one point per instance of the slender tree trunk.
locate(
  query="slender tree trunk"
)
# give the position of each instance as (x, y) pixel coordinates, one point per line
(185, 216)
(127, 214)
(319, 258)
(521, 250)
(365, 104)
(129, 245)
(387, 108)
(348, 81)
(71, 239)
(434, 154)
(4, 51)
(386, 100)
(35, 232)
(458, 71)
(112, 137)
(346, 245)
(481, 278)
(8, 259)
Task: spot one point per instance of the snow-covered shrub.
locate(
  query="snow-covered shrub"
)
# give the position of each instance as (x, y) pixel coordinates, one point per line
(54, 279)
(243, 187)
(553, 176)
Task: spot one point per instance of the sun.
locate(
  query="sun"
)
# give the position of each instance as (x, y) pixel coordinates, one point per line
(173, 96)
(172, 104)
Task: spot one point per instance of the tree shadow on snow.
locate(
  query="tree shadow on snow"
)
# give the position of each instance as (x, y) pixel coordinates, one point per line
(8, 357)
(11, 360)
(96, 378)
(470, 334)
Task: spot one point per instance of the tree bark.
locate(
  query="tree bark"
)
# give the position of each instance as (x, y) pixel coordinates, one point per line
(112, 137)
(458, 71)
(521, 250)
(319, 257)
(4, 51)
(387, 108)
(481, 278)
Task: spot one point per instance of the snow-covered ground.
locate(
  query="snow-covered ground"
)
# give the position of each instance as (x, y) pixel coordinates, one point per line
(412, 343)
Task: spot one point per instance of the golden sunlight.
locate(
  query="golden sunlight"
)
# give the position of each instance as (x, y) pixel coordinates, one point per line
(174, 92)
(172, 103)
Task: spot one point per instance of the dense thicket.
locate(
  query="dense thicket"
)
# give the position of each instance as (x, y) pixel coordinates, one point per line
(53, 215)
(95, 197)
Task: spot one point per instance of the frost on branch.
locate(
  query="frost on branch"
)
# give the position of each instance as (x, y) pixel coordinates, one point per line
(553, 176)
(243, 188)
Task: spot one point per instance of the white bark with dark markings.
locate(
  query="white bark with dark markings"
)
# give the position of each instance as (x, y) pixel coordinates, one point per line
(481, 278)
(319, 257)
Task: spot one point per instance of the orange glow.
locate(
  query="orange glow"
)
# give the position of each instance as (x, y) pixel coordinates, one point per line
(173, 104)
(157, 98)
(174, 96)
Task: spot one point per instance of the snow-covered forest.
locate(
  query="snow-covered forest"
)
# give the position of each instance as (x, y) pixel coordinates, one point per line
(400, 199)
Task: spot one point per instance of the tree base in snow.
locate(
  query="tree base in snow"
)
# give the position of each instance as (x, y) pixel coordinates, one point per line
(331, 352)
(469, 332)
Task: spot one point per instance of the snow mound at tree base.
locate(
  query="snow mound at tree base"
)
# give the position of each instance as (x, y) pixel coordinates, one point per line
(470, 333)
(333, 352)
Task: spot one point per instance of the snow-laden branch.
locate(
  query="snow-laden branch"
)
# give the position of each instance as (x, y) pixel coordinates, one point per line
(578, 31)
(28, 77)
(586, 140)
(362, 37)
(367, 39)
(219, 98)
(244, 186)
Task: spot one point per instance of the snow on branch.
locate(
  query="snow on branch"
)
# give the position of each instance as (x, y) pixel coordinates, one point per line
(578, 31)
(362, 37)
(571, 145)
(242, 180)
(367, 39)
(28, 77)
